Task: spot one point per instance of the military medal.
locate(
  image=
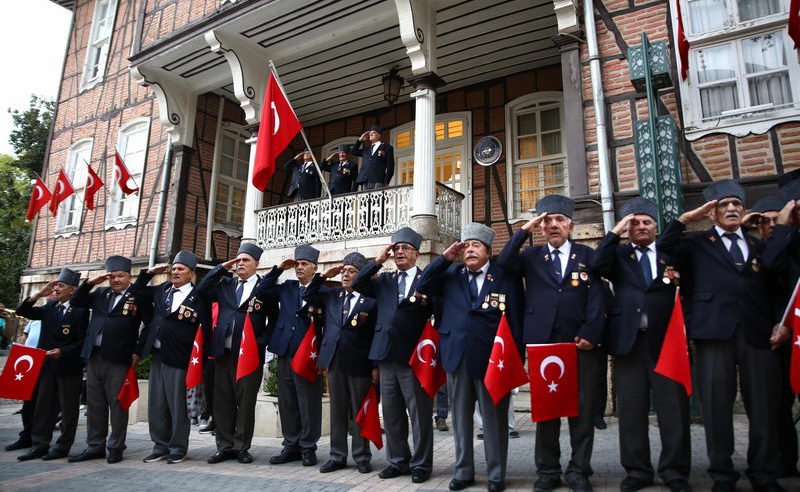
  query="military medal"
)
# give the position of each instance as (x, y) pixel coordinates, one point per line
(574, 281)
(65, 331)
(584, 276)
(354, 322)
(665, 280)
(412, 299)
(755, 265)
(493, 303)
(502, 306)
(180, 316)
(485, 305)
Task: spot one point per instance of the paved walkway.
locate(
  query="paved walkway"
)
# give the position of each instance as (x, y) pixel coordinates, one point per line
(195, 474)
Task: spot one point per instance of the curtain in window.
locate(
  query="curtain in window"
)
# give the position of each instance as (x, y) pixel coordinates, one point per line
(707, 15)
(754, 9)
(767, 53)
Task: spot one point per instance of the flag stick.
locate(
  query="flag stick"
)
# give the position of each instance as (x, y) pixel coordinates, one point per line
(790, 303)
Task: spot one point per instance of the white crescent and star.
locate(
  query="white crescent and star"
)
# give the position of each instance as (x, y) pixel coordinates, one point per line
(196, 346)
(502, 343)
(366, 406)
(40, 192)
(552, 359)
(313, 352)
(59, 187)
(24, 358)
(276, 121)
(422, 345)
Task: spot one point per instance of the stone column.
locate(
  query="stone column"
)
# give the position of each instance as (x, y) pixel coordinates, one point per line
(253, 198)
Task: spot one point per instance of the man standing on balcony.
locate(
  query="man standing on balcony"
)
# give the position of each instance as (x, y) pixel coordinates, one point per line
(377, 160)
(402, 314)
(343, 172)
(304, 183)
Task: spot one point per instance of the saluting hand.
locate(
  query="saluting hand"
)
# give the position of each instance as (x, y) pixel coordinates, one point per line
(364, 137)
(534, 223)
(699, 213)
(45, 291)
(229, 264)
(158, 269)
(287, 264)
(98, 279)
(384, 255)
(332, 271)
(622, 226)
(453, 251)
(785, 215)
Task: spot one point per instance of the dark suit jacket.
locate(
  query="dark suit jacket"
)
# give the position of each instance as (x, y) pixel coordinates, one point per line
(306, 182)
(467, 330)
(67, 335)
(399, 326)
(557, 312)
(343, 175)
(377, 167)
(292, 319)
(349, 343)
(718, 296)
(782, 254)
(632, 296)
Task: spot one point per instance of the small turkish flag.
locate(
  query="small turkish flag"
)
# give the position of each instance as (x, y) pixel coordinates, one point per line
(304, 362)
(505, 370)
(248, 350)
(279, 125)
(194, 375)
(425, 361)
(63, 190)
(673, 361)
(791, 320)
(21, 372)
(794, 23)
(93, 185)
(683, 44)
(129, 392)
(368, 419)
(40, 196)
(554, 380)
(122, 176)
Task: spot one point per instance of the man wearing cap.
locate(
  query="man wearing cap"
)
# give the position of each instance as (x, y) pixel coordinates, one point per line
(349, 327)
(304, 183)
(110, 348)
(763, 216)
(377, 159)
(177, 312)
(474, 295)
(62, 333)
(644, 280)
(235, 400)
(299, 400)
(563, 303)
(730, 317)
(343, 173)
(402, 314)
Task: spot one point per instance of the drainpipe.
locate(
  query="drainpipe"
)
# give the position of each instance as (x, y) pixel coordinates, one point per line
(162, 201)
(599, 100)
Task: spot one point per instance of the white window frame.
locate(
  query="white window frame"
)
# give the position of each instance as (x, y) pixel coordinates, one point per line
(99, 44)
(227, 227)
(513, 108)
(744, 122)
(71, 209)
(114, 220)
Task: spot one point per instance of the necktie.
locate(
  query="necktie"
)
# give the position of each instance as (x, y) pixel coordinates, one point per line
(401, 287)
(302, 291)
(644, 265)
(170, 295)
(60, 314)
(557, 265)
(239, 293)
(113, 301)
(735, 250)
(346, 308)
(473, 286)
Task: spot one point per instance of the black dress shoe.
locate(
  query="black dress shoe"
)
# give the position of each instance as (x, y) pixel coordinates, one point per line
(493, 486)
(309, 458)
(632, 484)
(418, 475)
(32, 454)
(332, 466)
(456, 484)
(19, 444)
(578, 482)
(723, 486)
(679, 485)
(547, 483)
(286, 456)
(600, 424)
(219, 457)
(363, 467)
(114, 456)
(392, 472)
(245, 457)
(55, 455)
(87, 455)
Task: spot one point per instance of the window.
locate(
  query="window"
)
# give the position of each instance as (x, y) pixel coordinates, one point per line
(123, 209)
(71, 209)
(234, 160)
(743, 72)
(536, 158)
(99, 42)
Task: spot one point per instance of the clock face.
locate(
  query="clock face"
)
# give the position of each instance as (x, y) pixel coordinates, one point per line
(488, 151)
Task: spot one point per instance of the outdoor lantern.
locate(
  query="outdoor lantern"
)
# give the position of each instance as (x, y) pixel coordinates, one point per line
(392, 83)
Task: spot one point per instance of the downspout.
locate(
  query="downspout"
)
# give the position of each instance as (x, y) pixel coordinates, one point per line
(599, 101)
(162, 201)
(212, 198)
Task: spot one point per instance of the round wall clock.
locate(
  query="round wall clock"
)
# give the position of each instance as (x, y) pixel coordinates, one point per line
(487, 151)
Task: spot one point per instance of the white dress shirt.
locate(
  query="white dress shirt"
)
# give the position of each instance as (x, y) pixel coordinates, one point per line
(563, 256)
(479, 279)
(651, 255)
(727, 242)
(411, 274)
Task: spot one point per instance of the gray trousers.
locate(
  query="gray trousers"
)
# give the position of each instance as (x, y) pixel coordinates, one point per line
(759, 370)
(300, 408)
(635, 378)
(400, 390)
(168, 416)
(56, 392)
(104, 379)
(234, 405)
(347, 395)
(464, 392)
(547, 449)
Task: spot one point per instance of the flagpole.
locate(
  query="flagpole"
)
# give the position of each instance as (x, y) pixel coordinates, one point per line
(790, 303)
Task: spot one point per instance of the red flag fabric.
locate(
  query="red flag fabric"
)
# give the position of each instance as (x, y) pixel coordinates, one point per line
(122, 176)
(129, 392)
(794, 23)
(279, 125)
(62, 191)
(21, 372)
(554, 380)
(425, 361)
(368, 418)
(791, 320)
(93, 185)
(673, 361)
(683, 44)
(40, 196)
(248, 351)
(505, 370)
(194, 375)
(304, 362)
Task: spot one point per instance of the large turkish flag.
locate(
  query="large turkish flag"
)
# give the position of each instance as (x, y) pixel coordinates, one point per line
(791, 319)
(673, 361)
(304, 362)
(553, 372)
(248, 350)
(368, 418)
(425, 361)
(21, 372)
(40, 196)
(194, 375)
(505, 370)
(61, 191)
(129, 392)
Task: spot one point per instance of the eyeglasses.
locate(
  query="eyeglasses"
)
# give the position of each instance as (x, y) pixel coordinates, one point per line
(726, 203)
(403, 247)
(767, 220)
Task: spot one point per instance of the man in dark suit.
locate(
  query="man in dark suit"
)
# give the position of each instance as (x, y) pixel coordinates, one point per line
(474, 294)
(402, 314)
(62, 333)
(110, 348)
(348, 330)
(299, 400)
(304, 183)
(177, 312)
(563, 303)
(644, 281)
(730, 317)
(235, 401)
(377, 159)
(343, 172)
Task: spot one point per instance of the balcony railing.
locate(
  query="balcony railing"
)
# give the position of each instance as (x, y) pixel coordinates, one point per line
(358, 215)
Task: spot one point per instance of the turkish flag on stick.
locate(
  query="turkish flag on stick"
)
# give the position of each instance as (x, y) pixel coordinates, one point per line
(21, 372)
(425, 361)
(794, 23)
(93, 185)
(505, 371)
(683, 44)
(673, 361)
(122, 175)
(63, 190)
(554, 380)
(194, 375)
(129, 392)
(279, 125)
(40, 196)
(791, 320)
(304, 362)
(368, 419)
(248, 350)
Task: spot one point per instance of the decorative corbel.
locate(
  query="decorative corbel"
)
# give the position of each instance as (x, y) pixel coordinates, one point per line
(176, 105)
(417, 21)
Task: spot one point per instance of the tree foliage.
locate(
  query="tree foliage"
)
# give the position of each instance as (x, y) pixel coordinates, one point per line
(31, 129)
(15, 233)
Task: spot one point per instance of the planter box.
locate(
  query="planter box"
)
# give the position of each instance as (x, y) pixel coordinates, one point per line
(268, 422)
(138, 410)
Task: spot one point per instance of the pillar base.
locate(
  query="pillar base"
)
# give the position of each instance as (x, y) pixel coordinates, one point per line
(426, 226)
